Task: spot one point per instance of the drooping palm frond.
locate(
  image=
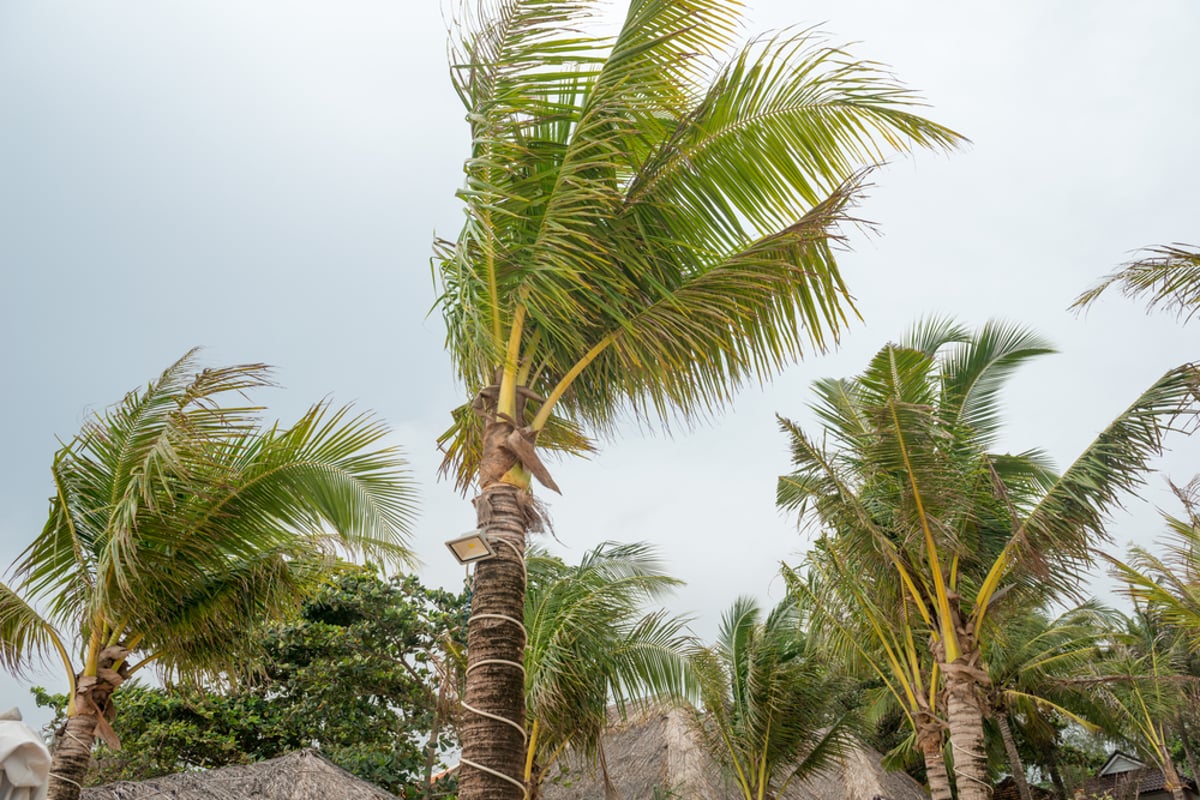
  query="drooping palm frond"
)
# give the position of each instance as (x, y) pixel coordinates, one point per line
(1168, 276)
(25, 636)
(1169, 583)
(1055, 540)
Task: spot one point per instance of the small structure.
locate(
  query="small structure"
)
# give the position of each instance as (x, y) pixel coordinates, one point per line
(1124, 777)
(24, 760)
(303, 775)
(658, 755)
(1007, 789)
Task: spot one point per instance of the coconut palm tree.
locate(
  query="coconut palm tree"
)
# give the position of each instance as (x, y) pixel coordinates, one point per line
(650, 220)
(593, 646)
(771, 711)
(874, 630)
(176, 526)
(1167, 275)
(908, 480)
(1031, 661)
(1140, 684)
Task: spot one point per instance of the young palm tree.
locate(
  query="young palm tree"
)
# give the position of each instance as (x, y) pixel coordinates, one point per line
(770, 706)
(873, 629)
(1139, 684)
(176, 526)
(1168, 276)
(592, 645)
(646, 229)
(911, 486)
(1031, 660)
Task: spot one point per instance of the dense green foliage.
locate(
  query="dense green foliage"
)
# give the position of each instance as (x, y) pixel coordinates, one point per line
(356, 674)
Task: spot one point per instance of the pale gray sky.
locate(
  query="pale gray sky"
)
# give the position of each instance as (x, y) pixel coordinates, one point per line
(265, 178)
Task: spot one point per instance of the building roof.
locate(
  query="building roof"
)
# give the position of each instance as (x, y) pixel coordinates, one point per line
(1007, 790)
(302, 775)
(658, 752)
(1122, 772)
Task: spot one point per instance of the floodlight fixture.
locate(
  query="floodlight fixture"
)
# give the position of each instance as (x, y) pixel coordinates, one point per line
(471, 547)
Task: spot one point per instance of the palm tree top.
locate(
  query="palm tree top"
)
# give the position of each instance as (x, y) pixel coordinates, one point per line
(651, 216)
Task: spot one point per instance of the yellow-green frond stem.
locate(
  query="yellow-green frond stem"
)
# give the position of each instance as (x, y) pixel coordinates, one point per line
(949, 638)
(507, 404)
(530, 751)
(543, 415)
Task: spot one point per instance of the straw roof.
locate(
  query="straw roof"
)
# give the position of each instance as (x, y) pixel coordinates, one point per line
(659, 756)
(302, 775)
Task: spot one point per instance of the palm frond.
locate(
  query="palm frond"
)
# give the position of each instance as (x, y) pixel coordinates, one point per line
(1168, 276)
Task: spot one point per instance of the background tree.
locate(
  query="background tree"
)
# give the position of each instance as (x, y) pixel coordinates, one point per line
(178, 525)
(353, 674)
(909, 483)
(647, 228)
(594, 646)
(771, 710)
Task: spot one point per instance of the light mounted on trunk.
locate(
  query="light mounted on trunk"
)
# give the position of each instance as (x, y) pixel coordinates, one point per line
(470, 548)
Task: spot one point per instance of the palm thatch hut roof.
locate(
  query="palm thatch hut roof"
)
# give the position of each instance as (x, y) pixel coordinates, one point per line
(302, 775)
(658, 755)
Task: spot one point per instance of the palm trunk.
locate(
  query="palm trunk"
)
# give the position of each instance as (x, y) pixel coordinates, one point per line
(1173, 784)
(964, 710)
(1014, 757)
(935, 766)
(72, 754)
(1060, 786)
(493, 735)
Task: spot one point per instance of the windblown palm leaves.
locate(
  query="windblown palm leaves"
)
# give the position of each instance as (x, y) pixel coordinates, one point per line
(648, 227)
(771, 712)
(593, 644)
(909, 488)
(177, 524)
(1169, 583)
(1168, 277)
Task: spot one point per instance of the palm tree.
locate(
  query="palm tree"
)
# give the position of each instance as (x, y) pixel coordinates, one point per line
(912, 488)
(1169, 584)
(1168, 275)
(771, 711)
(1031, 660)
(177, 525)
(872, 628)
(1139, 684)
(592, 645)
(646, 229)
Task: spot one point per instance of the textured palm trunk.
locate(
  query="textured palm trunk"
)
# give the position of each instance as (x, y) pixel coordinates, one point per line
(494, 705)
(72, 754)
(1173, 783)
(930, 740)
(1014, 757)
(964, 711)
(1056, 778)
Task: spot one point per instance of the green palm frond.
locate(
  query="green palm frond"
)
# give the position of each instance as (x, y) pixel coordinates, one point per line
(1055, 540)
(25, 636)
(179, 523)
(647, 230)
(769, 703)
(591, 644)
(1168, 276)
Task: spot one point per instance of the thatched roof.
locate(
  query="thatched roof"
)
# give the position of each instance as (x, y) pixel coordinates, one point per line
(303, 775)
(658, 756)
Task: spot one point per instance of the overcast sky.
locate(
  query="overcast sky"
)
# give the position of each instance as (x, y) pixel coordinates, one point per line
(265, 178)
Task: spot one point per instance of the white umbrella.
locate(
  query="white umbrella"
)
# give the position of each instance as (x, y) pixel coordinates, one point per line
(24, 760)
